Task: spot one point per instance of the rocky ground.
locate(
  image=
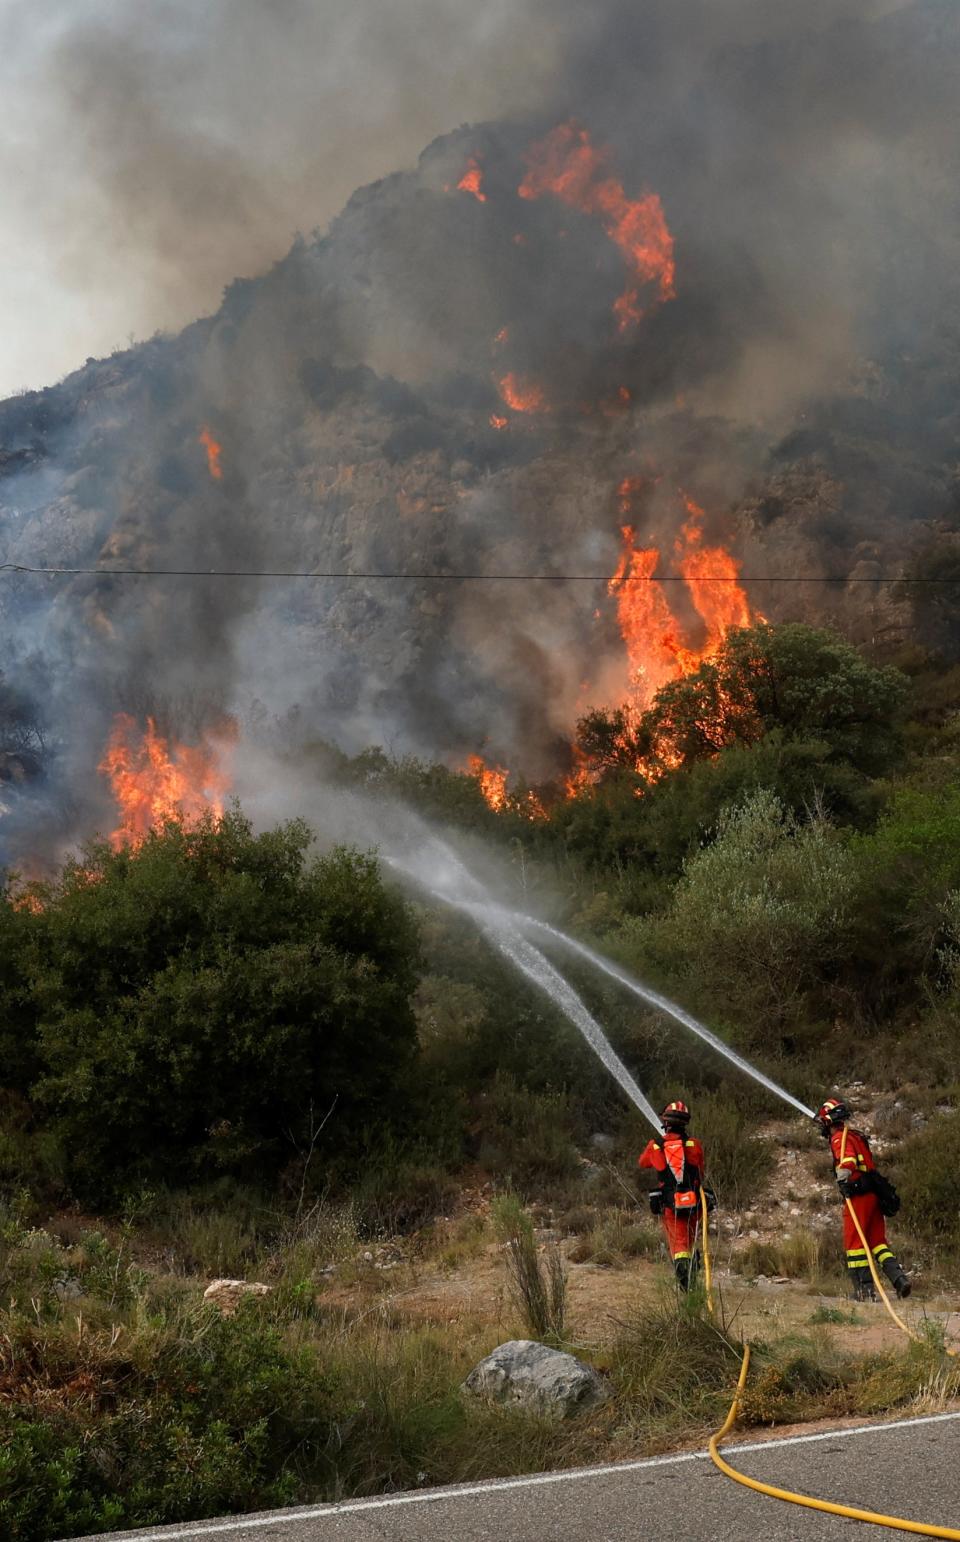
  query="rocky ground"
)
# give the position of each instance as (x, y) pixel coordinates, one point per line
(777, 1266)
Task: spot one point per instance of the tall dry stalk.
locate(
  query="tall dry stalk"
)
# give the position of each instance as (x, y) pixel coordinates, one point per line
(538, 1289)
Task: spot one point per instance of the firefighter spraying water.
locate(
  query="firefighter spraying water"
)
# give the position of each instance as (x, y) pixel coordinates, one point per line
(678, 1161)
(871, 1196)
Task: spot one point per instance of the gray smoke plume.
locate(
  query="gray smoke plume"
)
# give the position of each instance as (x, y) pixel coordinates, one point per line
(801, 386)
(150, 153)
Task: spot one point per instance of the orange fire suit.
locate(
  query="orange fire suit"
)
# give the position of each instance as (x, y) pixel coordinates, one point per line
(852, 1158)
(678, 1163)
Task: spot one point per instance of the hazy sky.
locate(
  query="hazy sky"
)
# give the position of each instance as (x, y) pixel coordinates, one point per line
(152, 150)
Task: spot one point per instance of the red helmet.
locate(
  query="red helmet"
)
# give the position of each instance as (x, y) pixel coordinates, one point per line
(675, 1113)
(831, 1113)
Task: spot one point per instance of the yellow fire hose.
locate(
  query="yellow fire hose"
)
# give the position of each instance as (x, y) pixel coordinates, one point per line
(849, 1512)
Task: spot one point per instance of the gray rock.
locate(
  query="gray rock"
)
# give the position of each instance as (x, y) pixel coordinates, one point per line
(544, 1381)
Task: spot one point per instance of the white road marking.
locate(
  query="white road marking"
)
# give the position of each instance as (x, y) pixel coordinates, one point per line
(534, 1480)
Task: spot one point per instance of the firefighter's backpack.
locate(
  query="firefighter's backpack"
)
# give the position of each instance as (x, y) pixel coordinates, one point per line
(887, 1195)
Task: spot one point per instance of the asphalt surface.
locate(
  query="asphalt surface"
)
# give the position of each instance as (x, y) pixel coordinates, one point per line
(910, 1469)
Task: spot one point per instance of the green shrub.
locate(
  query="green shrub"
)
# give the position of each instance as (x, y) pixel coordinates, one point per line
(201, 1001)
(399, 1192)
(206, 1416)
(925, 1172)
(739, 1163)
(798, 1255)
(673, 1368)
(835, 1316)
(758, 918)
(527, 1138)
(615, 1239)
(803, 682)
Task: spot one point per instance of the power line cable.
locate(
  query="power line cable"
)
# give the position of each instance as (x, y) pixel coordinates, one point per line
(447, 578)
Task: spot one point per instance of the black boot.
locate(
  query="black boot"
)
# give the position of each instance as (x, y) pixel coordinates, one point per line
(681, 1268)
(898, 1277)
(863, 1285)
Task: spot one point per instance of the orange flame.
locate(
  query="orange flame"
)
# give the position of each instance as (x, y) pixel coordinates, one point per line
(496, 421)
(214, 452)
(155, 783)
(492, 779)
(472, 180)
(568, 166)
(580, 778)
(647, 624)
(522, 395)
(711, 575)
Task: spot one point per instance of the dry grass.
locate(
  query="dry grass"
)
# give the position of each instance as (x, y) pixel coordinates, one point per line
(102, 1354)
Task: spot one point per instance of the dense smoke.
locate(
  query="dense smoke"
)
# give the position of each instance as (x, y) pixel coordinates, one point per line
(151, 153)
(466, 371)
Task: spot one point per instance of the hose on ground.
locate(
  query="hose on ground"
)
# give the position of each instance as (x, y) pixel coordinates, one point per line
(848, 1512)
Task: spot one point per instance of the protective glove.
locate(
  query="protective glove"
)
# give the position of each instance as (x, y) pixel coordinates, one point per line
(656, 1203)
(850, 1187)
(711, 1199)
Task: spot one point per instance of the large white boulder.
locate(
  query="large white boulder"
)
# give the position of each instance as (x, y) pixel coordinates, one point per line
(529, 1375)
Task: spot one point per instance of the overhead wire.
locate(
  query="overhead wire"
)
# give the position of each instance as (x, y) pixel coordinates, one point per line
(427, 577)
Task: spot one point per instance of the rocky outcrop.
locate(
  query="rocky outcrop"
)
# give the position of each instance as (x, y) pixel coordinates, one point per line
(528, 1375)
(226, 1295)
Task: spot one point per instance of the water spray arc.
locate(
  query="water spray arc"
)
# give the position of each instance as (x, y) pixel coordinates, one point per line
(499, 927)
(532, 963)
(447, 879)
(663, 1004)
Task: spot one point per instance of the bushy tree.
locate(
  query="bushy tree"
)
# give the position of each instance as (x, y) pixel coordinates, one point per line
(204, 1000)
(908, 870)
(932, 591)
(19, 1062)
(801, 682)
(759, 918)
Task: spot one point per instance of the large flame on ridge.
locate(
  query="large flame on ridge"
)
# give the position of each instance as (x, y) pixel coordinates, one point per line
(711, 575)
(657, 649)
(647, 625)
(568, 166)
(155, 782)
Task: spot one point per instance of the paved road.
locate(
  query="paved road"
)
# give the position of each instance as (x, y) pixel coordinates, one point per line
(908, 1468)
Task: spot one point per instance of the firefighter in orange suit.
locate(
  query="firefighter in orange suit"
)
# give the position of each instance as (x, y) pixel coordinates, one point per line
(872, 1197)
(678, 1162)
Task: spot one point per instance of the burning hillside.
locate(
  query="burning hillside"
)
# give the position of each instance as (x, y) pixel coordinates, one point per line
(577, 348)
(154, 782)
